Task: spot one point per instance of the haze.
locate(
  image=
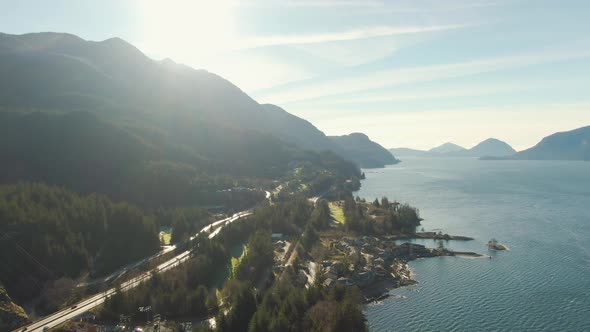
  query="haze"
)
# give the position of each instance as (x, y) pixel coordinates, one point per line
(407, 73)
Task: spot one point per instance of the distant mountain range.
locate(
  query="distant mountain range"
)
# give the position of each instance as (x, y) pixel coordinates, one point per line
(567, 145)
(112, 78)
(490, 147)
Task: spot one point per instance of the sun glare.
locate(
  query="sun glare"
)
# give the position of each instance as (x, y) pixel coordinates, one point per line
(187, 29)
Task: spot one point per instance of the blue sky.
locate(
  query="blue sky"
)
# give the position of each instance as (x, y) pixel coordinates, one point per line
(407, 73)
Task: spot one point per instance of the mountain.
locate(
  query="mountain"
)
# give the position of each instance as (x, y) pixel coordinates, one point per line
(407, 152)
(447, 147)
(491, 147)
(113, 78)
(567, 145)
(355, 147)
(363, 151)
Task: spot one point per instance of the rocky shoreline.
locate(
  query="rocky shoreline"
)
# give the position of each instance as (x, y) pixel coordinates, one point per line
(377, 265)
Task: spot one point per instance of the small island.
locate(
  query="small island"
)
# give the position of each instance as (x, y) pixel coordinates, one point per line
(494, 245)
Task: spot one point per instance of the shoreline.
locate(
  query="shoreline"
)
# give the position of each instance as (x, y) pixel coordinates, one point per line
(401, 276)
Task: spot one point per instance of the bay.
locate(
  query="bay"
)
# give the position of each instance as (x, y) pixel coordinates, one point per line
(539, 209)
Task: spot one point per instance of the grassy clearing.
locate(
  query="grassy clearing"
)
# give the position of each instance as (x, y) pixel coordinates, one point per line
(337, 213)
(165, 235)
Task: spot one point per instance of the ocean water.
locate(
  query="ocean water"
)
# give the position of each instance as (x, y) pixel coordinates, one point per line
(539, 209)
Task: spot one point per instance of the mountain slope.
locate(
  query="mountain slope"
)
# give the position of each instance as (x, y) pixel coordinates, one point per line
(112, 77)
(407, 152)
(296, 130)
(447, 147)
(363, 151)
(490, 147)
(11, 314)
(567, 145)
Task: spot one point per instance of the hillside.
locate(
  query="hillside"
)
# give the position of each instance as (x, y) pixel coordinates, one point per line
(567, 145)
(446, 148)
(492, 147)
(113, 78)
(11, 315)
(407, 152)
(363, 151)
(101, 132)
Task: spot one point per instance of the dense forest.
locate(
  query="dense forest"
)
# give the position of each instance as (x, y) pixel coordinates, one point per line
(184, 290)
(286, 307)
(254, 297)
(50, 232)
(380, 218)
(101, 146)
(88, 154)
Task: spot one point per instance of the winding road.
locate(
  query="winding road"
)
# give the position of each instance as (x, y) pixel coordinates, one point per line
(98, 299)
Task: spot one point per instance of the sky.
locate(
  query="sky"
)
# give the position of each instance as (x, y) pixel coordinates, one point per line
(407, 73)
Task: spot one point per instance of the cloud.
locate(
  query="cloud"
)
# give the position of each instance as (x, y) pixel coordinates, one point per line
(412, 6)
(334, 3)
(409, 75)
(421, 93)
(353, 34)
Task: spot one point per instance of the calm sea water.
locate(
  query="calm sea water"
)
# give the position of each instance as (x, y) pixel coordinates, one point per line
(540, 209)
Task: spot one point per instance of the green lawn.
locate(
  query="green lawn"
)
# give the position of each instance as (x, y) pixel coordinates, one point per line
(337, 213)
(166, 234)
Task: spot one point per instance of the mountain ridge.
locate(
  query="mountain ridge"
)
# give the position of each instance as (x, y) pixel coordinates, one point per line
(63, 71)
(489, 147)
(565, 145)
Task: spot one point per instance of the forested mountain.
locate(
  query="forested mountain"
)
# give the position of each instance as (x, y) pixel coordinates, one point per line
(356, 147)
(50, 233)
(567, 145)
(87, 118)
(100, 145)
(363, 151)
(112, 77)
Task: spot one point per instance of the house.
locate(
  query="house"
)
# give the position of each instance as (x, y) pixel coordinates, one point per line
(329, 282)
(276, 236)
(345, 281)
(338, 267)
(330, 275)
(301, 277)
(365, 278)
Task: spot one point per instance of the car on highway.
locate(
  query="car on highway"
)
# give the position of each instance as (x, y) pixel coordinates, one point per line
(74, 307)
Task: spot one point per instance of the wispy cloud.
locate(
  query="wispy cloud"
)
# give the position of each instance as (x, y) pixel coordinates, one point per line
(400, 76)
(348, 35)
(412, 6)
(333, 3)
(448, 91)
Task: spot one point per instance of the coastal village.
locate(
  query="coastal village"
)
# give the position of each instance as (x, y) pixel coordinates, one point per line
(375, 264)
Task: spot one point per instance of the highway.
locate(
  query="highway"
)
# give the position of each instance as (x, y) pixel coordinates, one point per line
(98, 299)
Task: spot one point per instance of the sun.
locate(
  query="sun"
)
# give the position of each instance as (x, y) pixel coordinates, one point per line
(187, 29)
